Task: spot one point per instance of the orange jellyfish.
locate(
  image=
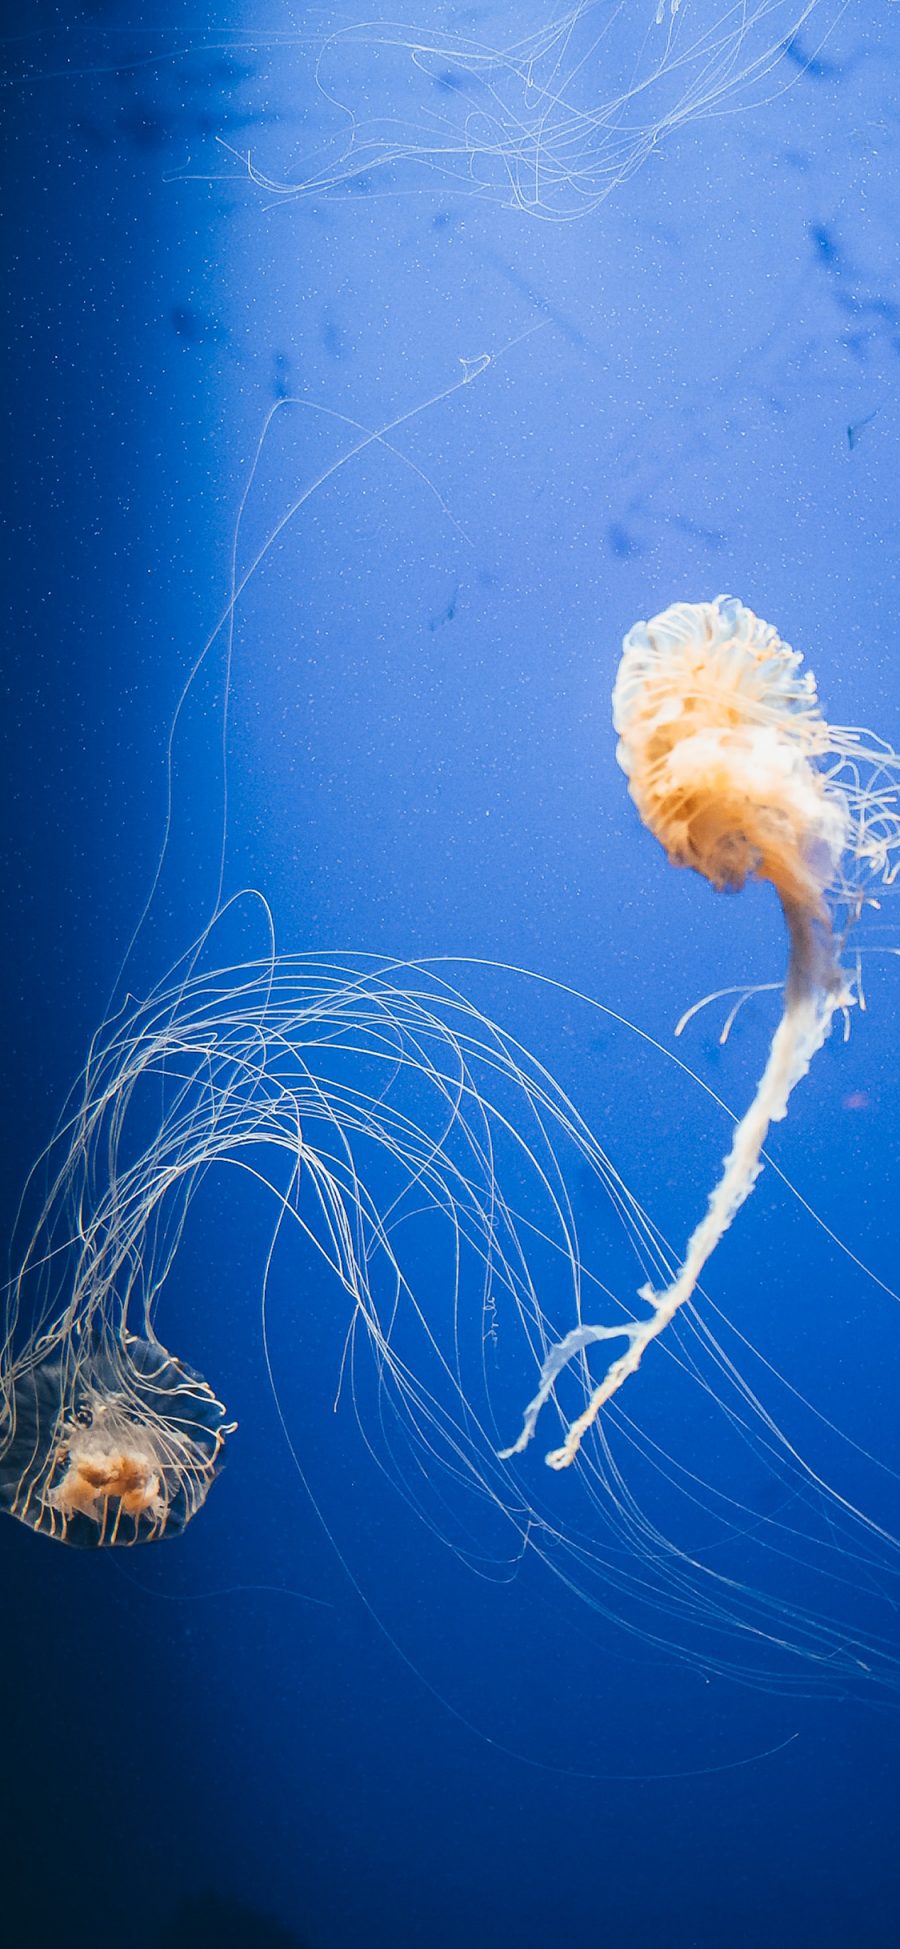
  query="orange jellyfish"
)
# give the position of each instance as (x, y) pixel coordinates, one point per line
(734, 769)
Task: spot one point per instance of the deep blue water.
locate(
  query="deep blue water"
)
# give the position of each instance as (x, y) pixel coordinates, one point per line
(315, 1717)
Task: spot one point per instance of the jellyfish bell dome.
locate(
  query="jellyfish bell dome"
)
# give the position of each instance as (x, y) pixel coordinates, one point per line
(719, 729)
(104, 1444)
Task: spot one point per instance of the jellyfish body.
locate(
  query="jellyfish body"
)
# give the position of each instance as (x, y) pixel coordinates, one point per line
(722, 740)
(109, 1442)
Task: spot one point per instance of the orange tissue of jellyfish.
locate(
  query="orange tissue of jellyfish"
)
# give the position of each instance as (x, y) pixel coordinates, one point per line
(95, 1477)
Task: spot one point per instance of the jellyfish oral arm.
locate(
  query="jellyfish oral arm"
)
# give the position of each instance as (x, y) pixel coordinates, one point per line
(559, 1356)
(815, 991)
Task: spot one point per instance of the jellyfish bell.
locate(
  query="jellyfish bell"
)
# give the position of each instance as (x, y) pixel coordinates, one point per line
(736, 772)
(718, 733)
(107, 1441)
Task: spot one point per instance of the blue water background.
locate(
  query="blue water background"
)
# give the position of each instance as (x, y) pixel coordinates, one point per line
(326, 1719)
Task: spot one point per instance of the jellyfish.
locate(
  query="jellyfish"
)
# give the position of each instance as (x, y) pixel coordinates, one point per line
(112, 1441)
(736, 772)
(349, 1093)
